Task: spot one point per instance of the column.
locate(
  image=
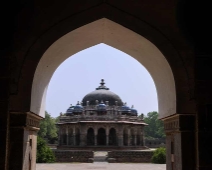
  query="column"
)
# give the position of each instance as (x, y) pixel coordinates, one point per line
(107, 140)
(135, 140)
(180, 154)
(120, 140)
(59, 138)
(82, 139)
(129, 137)
(95, 136)
(67, 136)
(107, 136)
(142, 138)
(23, 140)
(74, 137)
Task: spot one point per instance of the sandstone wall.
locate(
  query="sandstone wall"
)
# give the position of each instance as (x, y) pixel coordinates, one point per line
(74, 156)
(130, 156)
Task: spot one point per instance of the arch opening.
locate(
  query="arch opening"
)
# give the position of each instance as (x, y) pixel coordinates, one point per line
(101, 137)
(90, 136)
(112, 137)
(117, 36)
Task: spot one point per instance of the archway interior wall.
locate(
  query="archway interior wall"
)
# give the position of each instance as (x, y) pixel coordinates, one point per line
(117, 36)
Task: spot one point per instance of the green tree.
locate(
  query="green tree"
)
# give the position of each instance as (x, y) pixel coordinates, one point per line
(155, 127)
(44, 153)
(159, 156)
(48, 129)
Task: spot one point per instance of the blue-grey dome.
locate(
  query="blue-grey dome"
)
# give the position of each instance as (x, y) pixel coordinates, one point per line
(69, 111)
(101, 106)
(125, 108)
(134, 111)
(78, 108)
(102, 93)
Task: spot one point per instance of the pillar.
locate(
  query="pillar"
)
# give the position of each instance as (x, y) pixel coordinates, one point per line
(107, 140)
(203, 136)
(59, 138)
(83, 138)
(180, 142)
(120, 139)
(142, 140)
(23, 140)
(135, 138)
(129, 137)
(107, 136)
(67, 136)
(74, 137)
(95, 136)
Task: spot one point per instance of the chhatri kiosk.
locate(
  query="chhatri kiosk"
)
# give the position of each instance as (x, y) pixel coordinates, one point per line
(101, 121)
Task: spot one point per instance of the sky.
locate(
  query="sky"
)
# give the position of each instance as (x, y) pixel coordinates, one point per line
(81, 73)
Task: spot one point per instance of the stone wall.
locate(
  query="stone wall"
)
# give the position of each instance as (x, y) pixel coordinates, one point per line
(74, 156)
(155, 143)
(130, 156)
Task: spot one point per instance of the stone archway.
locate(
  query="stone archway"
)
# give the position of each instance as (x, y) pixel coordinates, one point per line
(90, 136)
(110, 33)
(77, 131)
(101, 137)
(119, 37)
(112, 137)
(46, 30)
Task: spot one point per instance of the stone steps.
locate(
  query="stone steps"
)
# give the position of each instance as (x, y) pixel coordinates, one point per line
(100, 156)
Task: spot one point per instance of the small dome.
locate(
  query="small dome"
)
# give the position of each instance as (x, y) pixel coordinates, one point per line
(125, 108)
(69, 111)
(101, 106)
(78, 108)
(102, 93)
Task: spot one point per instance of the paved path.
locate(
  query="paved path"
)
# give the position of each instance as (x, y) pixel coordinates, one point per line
(101, 166)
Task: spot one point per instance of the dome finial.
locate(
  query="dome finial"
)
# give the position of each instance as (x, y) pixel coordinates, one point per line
(132, 106)
(102, 82)
(102, 85)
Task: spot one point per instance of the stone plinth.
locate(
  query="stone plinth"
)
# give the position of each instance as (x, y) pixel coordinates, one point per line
(130, 156)
(74, 156)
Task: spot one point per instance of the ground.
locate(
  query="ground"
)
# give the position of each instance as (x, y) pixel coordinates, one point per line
(101, 166)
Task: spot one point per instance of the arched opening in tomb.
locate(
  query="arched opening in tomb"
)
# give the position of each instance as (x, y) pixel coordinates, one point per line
(77, 136)
(101, 137)
(90, 137)
(112, 137)
(64, 137)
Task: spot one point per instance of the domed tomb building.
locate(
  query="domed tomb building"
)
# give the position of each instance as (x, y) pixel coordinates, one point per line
(101, 120)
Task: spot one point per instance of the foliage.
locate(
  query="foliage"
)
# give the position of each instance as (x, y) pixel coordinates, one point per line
(159, 156)
(48, 129)
(155, 127)
(44, 153)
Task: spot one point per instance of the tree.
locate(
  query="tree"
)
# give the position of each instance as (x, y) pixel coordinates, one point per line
(159, 156)
(44, 153)
(48, 129)
(155, 127)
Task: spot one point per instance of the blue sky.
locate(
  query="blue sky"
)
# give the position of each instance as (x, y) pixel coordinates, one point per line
(82, 72)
